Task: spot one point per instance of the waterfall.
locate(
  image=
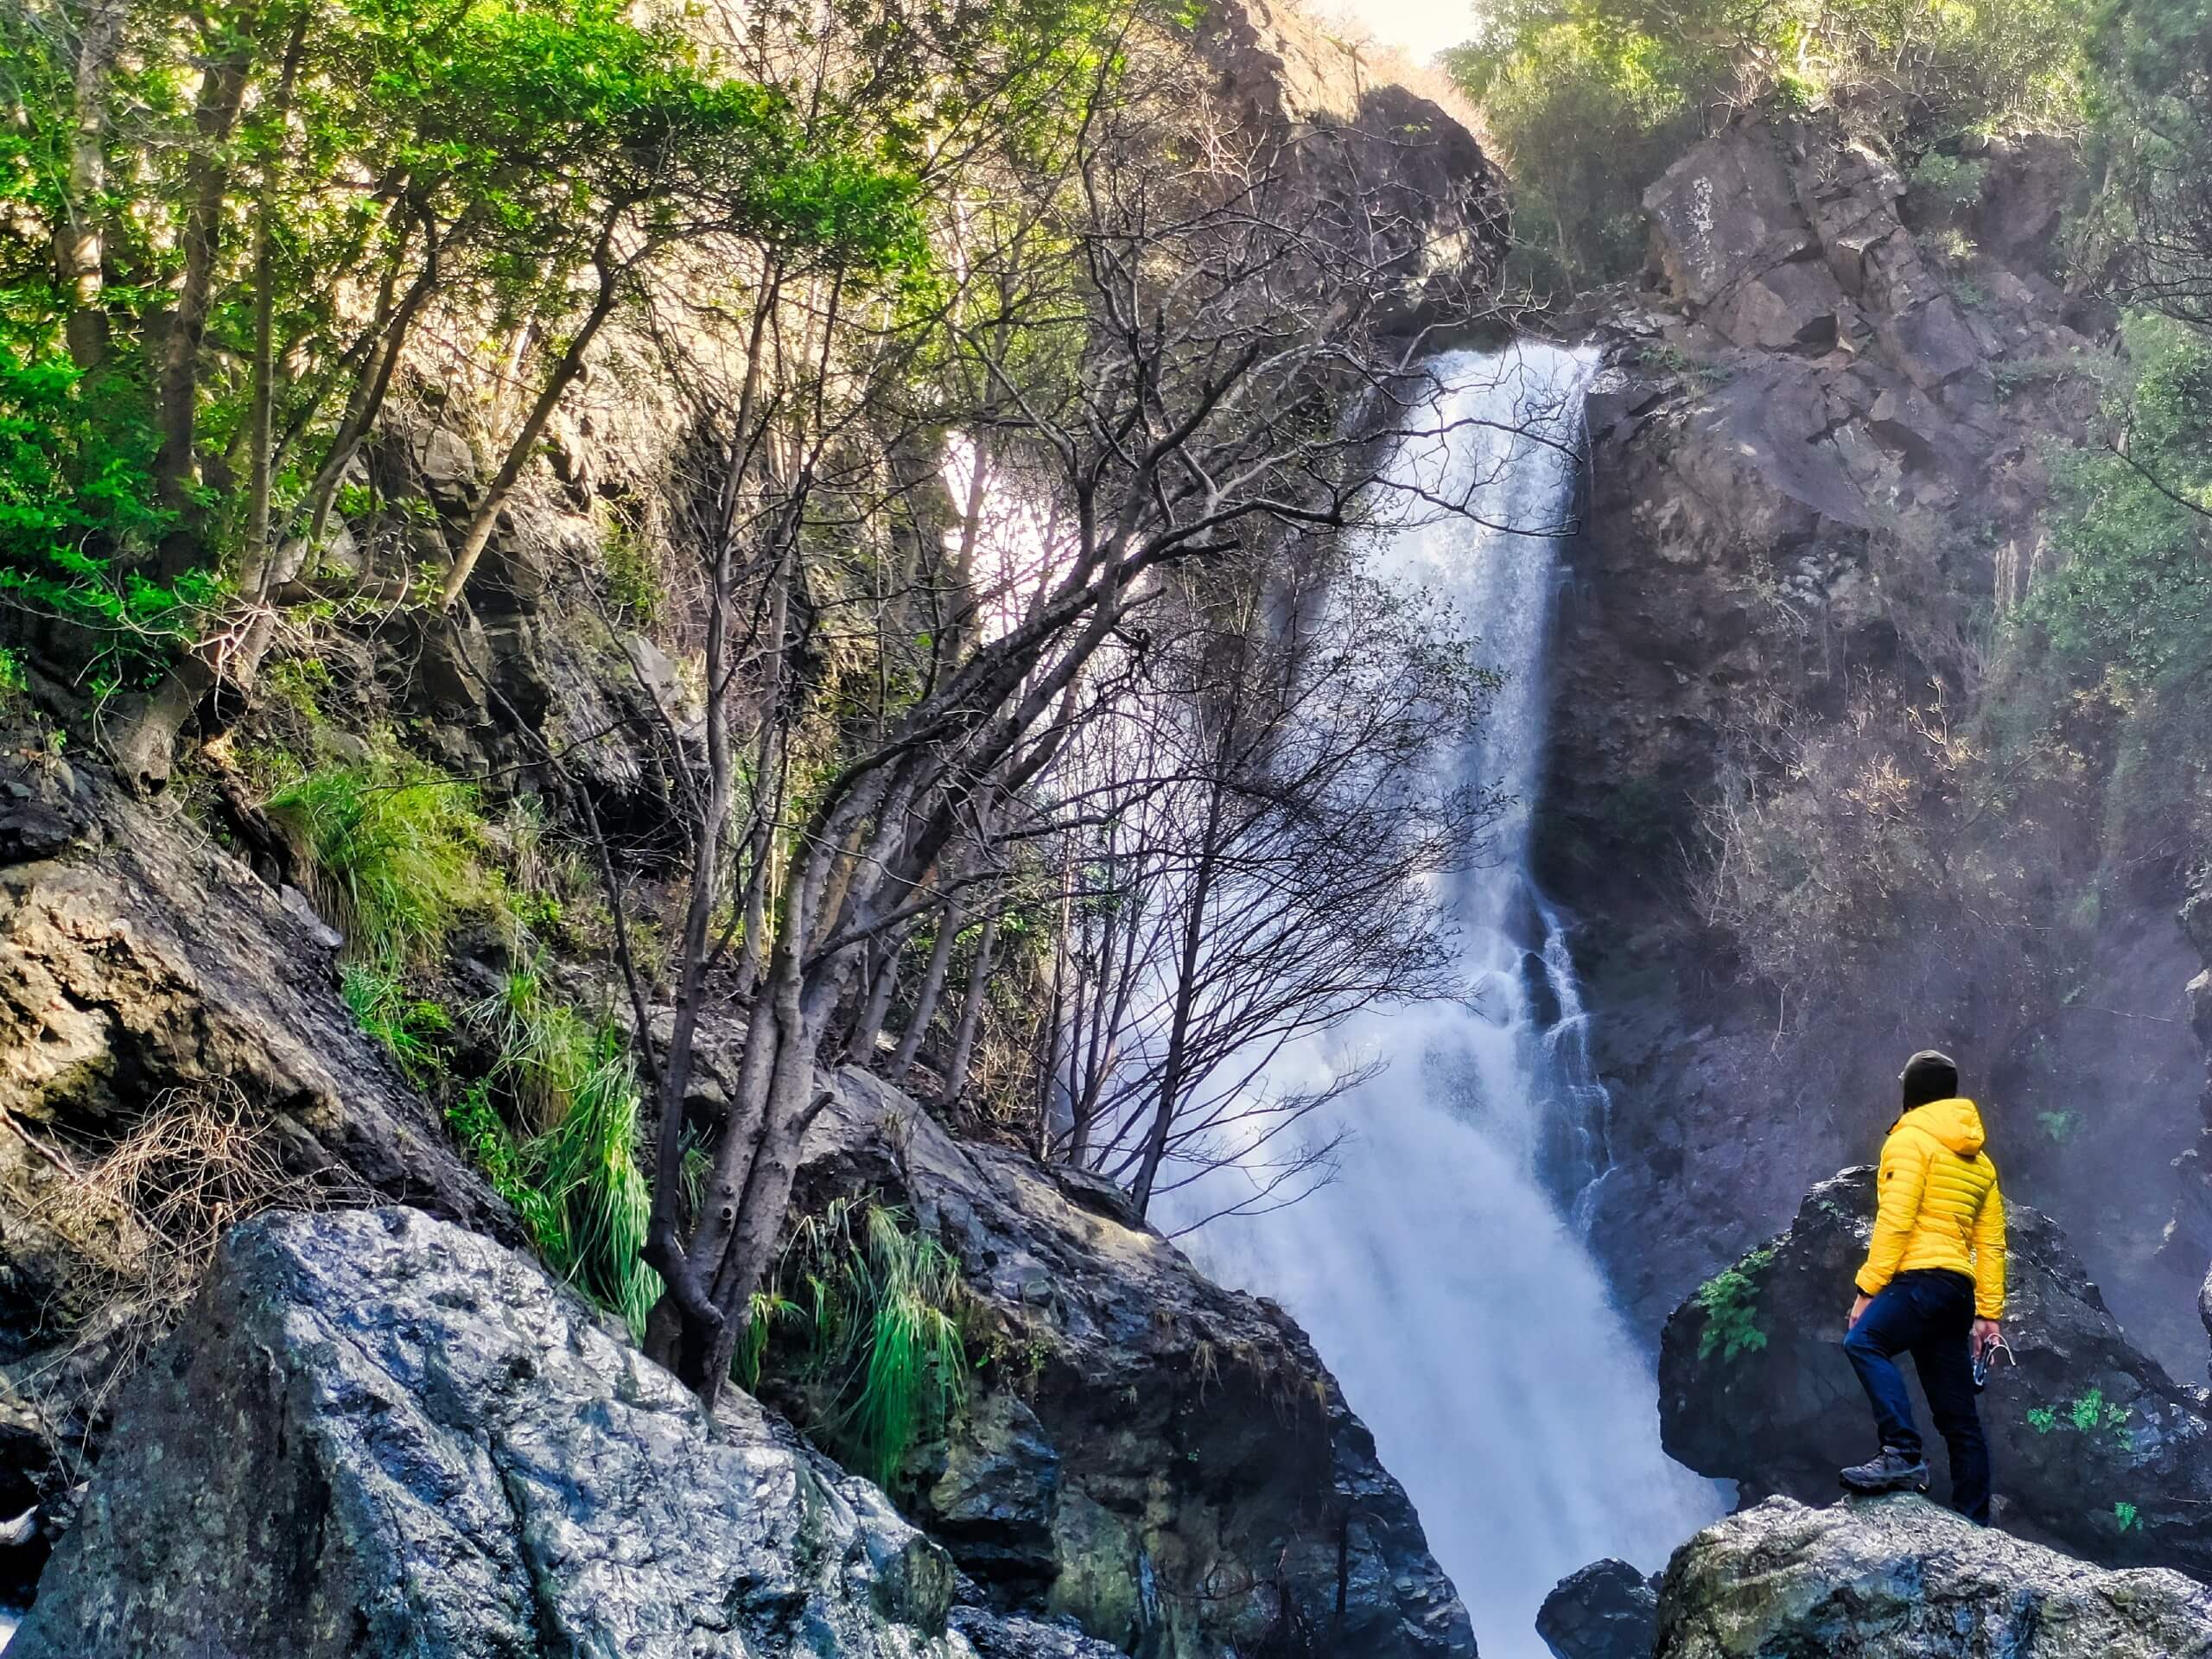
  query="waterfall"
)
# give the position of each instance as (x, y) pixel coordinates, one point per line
(1444, 1275)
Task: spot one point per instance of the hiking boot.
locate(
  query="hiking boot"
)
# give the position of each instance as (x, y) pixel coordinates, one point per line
(1891, 1472)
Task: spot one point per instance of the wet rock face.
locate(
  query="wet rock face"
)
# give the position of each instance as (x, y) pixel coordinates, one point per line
(1897, 1578)
(1605, 1610)
(1161, 1459)
(381, 1435)
(2096, 1448)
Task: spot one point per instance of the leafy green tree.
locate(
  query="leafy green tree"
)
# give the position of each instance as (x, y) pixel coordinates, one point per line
(2150, 90)
(240, 215)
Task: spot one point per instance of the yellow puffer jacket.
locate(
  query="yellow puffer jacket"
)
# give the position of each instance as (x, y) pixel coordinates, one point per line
(1941, 1206)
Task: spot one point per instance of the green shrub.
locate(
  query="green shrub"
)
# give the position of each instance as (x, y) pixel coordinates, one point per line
(1730, 1300)
(1951, 181)
(395, 852)
(77, 516)
(2125, 1513)
(633, 577)
(873, 1306)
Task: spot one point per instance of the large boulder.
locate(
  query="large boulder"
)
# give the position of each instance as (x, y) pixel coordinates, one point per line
(1897, 1577)
(2095, 1447)
(378, 1434)
(1164, 1460)
(1607, 1609)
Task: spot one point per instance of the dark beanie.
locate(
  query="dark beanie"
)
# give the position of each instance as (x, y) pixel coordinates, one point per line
(1928, 1075)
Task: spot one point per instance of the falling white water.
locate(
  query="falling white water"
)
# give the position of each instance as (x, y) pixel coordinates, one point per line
(1443, 1275)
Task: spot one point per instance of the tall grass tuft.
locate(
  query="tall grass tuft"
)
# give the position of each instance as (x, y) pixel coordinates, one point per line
(408, 1026)
(394, 849)
(873, 1305)
(588, 1168)
(572, 1087)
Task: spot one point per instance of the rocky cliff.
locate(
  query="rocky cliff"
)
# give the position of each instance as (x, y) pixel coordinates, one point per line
(1819, 458)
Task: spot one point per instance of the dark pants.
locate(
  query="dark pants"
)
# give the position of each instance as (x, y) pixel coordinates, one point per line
(1929, 1314)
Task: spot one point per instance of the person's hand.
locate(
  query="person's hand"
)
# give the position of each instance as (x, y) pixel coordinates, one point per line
(1858, 1305)
(1986, 1331)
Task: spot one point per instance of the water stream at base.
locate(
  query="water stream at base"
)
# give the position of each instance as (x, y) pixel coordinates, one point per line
(1443, 1275)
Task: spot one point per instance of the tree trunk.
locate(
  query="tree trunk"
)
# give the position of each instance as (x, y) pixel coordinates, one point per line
(255, 575)
(875, 1007)
(932, 988)
(571, 363)
(971, 1010)
(1187, 983)
(215, 113)
(79, 247)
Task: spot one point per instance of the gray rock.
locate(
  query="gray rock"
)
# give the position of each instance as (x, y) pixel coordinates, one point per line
(377, 1434)
(1605, 1610)
(1897, 1577)
(445, 468)
(995, 1636)
(2095, 1446)
(1167, 1460)
(1724, 213)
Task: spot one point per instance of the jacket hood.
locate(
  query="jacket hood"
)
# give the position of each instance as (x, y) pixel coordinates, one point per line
(1954, 1122)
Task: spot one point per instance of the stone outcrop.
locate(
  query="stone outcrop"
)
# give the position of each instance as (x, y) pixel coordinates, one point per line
(1392, 174)
(378, 1434)
(2096, 1448)
(1163, 1460)
(1897, 1578)
(1605, 1610)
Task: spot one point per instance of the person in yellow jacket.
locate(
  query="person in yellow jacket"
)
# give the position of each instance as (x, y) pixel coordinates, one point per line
(1932, 1287)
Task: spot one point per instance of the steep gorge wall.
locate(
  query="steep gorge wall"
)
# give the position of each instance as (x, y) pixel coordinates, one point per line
(1818, 471)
